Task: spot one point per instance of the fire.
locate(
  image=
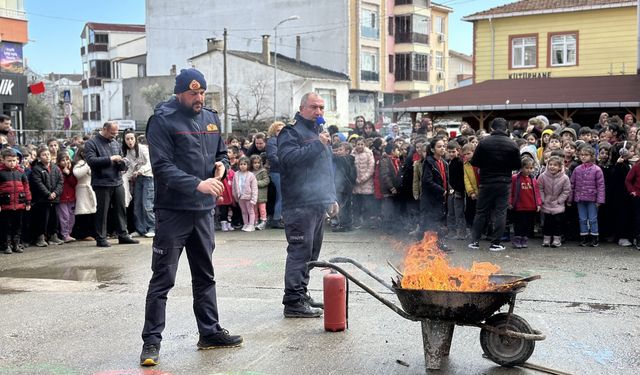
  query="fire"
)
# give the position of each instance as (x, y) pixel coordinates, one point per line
(426, 267)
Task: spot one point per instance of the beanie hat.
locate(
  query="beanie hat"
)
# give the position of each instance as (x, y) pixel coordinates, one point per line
(189, 79)
(544, 119)
(352, 137)
(548, 131)
(569, 130)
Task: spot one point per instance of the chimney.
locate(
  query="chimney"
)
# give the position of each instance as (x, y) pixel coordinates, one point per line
(298, 49)
(214, 44)
(266, 53)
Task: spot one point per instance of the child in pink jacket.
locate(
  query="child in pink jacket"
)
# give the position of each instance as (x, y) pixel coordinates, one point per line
(245, 192)
(555, 189)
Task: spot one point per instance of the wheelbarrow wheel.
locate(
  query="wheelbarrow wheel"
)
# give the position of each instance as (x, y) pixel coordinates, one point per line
(504, 350)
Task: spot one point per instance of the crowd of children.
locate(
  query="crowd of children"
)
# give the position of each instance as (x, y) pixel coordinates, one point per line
(576, 183)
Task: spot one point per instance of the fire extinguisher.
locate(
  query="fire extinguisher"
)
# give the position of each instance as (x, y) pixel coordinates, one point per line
(335, 287)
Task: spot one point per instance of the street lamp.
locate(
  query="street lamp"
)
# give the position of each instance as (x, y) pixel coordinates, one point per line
(275, 61)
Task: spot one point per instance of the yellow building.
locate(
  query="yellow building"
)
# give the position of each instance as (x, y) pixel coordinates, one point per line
(552, 39)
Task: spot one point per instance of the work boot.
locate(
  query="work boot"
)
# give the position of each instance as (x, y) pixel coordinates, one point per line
(594, 240)
(301, 310)
(221, 339)
(546, 241)
(309, 300)
(53, 239)
(557, 241)
(584, 240)
(103, 243)
(40, 242)
(127, 240)
(150, 355)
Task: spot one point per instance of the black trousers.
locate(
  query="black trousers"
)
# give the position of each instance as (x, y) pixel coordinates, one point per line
(175, 230)
(345, 215)
(44, 220)
(523, 222)
(110, 196)
(553, 224)
(304, 230)
(10, 226)
(492, 199)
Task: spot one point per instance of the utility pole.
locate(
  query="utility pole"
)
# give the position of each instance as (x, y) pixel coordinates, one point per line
(227, 124)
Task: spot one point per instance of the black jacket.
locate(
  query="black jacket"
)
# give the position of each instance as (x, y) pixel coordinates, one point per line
(98, 151)
(272, 154)
(497, 156)
(184, 149)
(456, 174)
(305, 166)
(433, 198)
(345, 173)
(43, 181)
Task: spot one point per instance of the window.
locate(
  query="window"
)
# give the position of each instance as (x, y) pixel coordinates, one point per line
(370, 24)
(390, 26)
(391, 62)
(439, 61)
(100, 69)
(96, 38)
(85, 103)
(127, 106)
(524, 52)
(411, 67)
(439, 25)
(564, 49)
(411, 29)
(329, 96)
(369, 66)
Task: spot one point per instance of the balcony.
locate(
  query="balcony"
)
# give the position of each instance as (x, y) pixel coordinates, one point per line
(92, 82)
(370, 32)
(366, 75)
(411, 38)
(95, 115)
(97, 48)
(411, 75)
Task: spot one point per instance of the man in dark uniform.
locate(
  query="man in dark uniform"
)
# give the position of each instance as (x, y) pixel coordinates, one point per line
(189, 161)
(308, 193)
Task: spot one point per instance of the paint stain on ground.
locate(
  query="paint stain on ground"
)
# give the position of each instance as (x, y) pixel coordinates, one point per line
(601, 356)
(580, 274)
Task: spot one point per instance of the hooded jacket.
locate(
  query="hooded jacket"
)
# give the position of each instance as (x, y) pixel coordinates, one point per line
(306, 167)
(45, 180)
(365, 166)
(14, 189)
(587, 184)
(555, 189)
(184, 148)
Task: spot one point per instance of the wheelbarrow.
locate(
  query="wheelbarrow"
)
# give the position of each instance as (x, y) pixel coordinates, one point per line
(506, 338)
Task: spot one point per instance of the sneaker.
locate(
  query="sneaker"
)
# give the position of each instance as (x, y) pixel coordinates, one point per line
(624, 242)
(221, 339)
(40, 242)
(249, 228)
(496, 247)
(68, 239)
(150, 234)
(7, 250)
(301, 310)
(127, 240)
(17, 247)
(474, 245)
(55, 240)
(135, 234)
(546, 241)
(224, 226)
(517, 242)
(557, 242)
(102, 243)
(150, 355)
(262, 224)
(309, 300)
(523, 242)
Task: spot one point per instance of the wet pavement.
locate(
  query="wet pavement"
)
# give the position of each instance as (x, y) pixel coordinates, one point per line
(78, 309)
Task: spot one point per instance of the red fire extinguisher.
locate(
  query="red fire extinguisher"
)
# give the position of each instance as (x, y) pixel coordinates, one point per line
(335, 287)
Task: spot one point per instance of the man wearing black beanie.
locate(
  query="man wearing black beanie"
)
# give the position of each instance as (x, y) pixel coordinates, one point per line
(189, 161)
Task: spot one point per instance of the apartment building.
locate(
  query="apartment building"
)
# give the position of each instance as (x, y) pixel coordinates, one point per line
(108, 55)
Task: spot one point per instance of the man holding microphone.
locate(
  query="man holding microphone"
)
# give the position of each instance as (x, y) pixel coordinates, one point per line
(308, 193)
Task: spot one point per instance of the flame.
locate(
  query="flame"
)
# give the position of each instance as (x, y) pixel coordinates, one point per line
(427, 267)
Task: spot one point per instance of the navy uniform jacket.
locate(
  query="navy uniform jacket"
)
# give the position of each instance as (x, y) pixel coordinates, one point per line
(306, 167)
(183, 150)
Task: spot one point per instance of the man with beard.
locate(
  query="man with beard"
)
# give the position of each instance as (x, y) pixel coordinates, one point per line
(189, 161)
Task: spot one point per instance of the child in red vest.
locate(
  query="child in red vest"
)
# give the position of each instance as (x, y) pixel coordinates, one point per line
(524, 202)
(15, 198)
(67, 206)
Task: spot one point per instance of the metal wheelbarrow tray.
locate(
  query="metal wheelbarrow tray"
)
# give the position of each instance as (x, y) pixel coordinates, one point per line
(506, 338)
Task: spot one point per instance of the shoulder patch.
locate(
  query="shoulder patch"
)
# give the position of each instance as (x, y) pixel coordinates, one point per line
(210, 109)
(292, 122)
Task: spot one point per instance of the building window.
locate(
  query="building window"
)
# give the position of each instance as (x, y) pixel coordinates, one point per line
(369, 66)
(411, 29)
(391, 63)
(564, 49)
(96, 38)
(439, 61)
(370, 24)
(329, 96)
(127, 106)
(100, 69)
(524, 52)
(439, 25)
(411, 67)
(95, 102)
(85, 103)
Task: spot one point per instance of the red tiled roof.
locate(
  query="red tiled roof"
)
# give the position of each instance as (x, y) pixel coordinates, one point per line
(568, 92)
(527, 6)
(115, 27)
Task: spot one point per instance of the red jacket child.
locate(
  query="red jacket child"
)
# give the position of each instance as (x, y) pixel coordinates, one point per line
(525, 195)
(226, 199)
(69, 182)
(14, 189)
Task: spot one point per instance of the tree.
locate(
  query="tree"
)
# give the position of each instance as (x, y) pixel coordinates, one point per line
(154, 94)
(251, 105)
(37, 114)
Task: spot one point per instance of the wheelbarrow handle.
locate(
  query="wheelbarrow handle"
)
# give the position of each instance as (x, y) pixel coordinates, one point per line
(386, 302)
(363, 269)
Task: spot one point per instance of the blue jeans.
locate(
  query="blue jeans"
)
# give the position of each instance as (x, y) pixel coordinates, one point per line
(277, 206)
(144, 218)
(588, 217)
